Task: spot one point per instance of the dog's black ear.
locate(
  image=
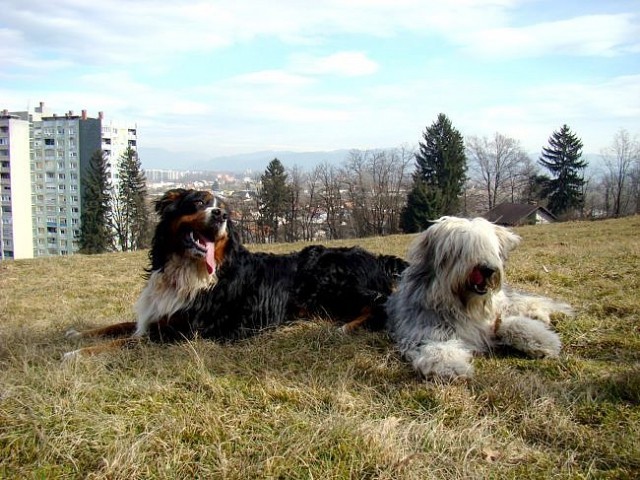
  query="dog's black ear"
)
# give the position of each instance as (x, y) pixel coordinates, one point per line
(169, 198)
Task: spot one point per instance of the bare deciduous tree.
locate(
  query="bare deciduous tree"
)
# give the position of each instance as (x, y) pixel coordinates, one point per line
(331, 199)
(496, 164)
(621, 160)
(310, 211)
(375, 183)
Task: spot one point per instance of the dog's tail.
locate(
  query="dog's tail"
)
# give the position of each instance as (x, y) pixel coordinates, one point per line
(392, 266)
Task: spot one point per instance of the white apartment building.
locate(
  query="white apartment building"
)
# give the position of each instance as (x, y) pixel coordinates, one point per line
(116, 138)
(42, 203)
(16, 237)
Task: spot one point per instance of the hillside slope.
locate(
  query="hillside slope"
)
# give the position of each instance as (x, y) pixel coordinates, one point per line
(306, 401)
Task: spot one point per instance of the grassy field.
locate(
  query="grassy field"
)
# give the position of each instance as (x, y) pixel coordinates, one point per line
(306, 401)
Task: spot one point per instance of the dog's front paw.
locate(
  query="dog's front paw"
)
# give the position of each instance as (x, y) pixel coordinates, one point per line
(529, 336)
(443, 361)
(71, 356)
(73, 333)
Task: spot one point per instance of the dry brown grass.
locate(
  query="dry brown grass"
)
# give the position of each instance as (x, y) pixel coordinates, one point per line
(308, 402)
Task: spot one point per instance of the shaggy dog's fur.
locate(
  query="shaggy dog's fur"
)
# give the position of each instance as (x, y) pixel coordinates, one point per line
(451, 302)
(203, 281)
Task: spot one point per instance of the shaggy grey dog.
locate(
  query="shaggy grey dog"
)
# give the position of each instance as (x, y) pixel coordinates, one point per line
(452, 303)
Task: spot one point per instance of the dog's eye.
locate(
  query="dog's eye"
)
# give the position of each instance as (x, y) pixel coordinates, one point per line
(198, 203)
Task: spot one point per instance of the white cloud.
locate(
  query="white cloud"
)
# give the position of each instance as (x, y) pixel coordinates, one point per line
(349, 64)
(589, 35)
(123, 32)
(277, 78)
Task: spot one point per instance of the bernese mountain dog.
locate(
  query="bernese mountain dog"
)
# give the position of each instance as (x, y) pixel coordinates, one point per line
(203, 282)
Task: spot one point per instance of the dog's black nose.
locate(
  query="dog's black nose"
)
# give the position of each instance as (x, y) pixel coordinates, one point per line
(487, 271)
(218, 214)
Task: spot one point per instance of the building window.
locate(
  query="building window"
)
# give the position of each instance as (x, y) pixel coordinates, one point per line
(4, 141)
(49, 141)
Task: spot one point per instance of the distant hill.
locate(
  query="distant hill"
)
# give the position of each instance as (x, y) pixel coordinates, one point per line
(158, 158)
(161, 159)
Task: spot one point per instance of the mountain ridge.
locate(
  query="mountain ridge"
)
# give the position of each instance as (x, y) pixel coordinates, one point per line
(161, 159)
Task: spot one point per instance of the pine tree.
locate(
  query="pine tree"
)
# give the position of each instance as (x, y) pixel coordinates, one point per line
(275, 196)
(562, 158)
(438, 181)
(95, 233)
(421, 203)
(131, 214)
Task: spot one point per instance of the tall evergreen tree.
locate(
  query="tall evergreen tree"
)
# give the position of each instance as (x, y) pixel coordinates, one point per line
(275, 197)
(441, 166)
(132, 222)
(422, 202)
(95, 233)
(562, 158)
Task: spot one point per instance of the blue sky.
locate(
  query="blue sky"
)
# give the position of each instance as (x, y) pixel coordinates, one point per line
(225, 77)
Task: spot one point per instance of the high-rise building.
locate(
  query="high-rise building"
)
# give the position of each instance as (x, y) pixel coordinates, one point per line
(16, 237)
(57, 150)
(116, 139)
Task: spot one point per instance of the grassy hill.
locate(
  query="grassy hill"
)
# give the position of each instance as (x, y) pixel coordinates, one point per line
(306, 401)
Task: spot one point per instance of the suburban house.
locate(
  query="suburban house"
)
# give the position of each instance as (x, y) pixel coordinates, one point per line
(515, 214)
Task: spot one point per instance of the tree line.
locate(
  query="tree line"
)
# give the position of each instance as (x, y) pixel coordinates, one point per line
(383, 192)
(401, 190)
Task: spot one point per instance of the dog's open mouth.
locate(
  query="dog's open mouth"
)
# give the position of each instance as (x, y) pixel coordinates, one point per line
(201, 246)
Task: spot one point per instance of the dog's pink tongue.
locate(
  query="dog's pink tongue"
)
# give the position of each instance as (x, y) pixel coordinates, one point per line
(210, 257)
